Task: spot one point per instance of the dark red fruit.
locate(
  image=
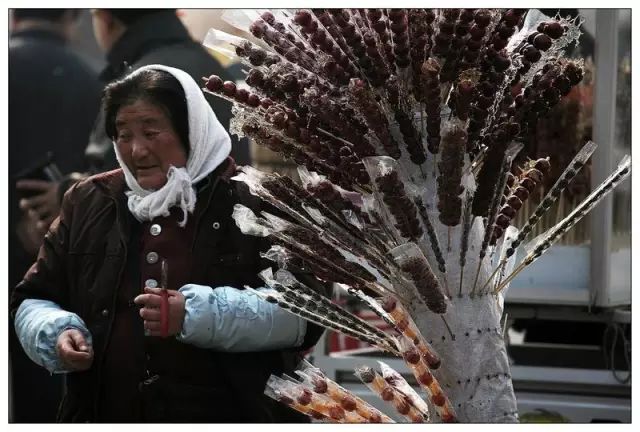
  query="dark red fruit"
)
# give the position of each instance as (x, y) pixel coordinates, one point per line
(403, 407)
(229, 88)
(543, 165)
(302, 18)
(214, 83)
(508, 211)
(426, 378)
(502, 221)
(553, 29)
(305, 397)
(532, 54)
(528, 184)
(258, 28)
(563, 84)
(268, 17)
(542, 42)
(514, 202)
(242, 95)
(482, 17)
(521, 193)
(348, 403)
(574, 73)
(535, 174)
(253, 100)
(387, 394)
(477, 32)
(411, 356)
(438, 399)
(336, 413)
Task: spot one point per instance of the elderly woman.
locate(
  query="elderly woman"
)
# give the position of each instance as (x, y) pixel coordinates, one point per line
(92, 306)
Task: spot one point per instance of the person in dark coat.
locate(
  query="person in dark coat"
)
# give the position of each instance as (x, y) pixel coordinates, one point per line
(53, 100)
(131, 38)
(91, 306)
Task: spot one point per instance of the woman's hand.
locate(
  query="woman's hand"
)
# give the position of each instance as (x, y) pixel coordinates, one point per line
(150, 311)
(74, 351)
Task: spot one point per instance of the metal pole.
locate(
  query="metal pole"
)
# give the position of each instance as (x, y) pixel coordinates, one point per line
(604, 119)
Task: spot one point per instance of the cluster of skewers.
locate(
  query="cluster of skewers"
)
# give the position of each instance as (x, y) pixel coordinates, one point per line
(408, 126)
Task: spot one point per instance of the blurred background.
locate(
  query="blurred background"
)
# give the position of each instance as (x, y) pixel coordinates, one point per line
(568, 315)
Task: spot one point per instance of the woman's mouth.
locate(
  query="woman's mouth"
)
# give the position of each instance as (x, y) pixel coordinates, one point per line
(145, 168)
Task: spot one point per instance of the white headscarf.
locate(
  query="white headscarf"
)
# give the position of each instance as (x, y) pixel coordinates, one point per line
(209, 146)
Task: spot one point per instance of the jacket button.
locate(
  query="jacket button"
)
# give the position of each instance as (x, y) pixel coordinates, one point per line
(151, 283)
(155, 229)
(105, 312)
(216, 225)
(152, 257)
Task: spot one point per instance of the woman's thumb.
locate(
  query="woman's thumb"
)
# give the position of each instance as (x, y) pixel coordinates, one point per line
(78, 340)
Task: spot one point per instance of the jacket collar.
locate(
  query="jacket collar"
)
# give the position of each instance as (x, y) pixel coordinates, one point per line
(158, 29)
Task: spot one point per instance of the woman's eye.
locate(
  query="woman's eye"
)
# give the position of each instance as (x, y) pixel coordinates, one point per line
(150, 135)
(123, 136)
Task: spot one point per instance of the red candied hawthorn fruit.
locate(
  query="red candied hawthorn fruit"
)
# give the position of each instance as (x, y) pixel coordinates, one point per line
(302, 18)
(253, 100)
(375, 418)
(336, 413)
(305, 397)
(426, 378)
(242, 95)
(387, 394)
(229, 88)
(411, 356)
(553, 29)
(438, 399)
(348, 403)
(448, 418)
(319, 385)
(214, 83)
(258, 28)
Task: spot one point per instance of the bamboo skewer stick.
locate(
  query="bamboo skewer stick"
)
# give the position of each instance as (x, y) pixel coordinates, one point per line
(573, 218)
(542, 210)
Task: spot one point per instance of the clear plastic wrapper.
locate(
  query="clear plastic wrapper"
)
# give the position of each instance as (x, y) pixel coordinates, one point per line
(326, 306)
(302, 396)
(222, 42)
(427, 381)
(300, 306)
(240, 18)
(343, 87)
(376, 383)
(314, 378)
(545, 241)
(353, 249)
(417, 269)
(328, 263)
(534, 18)
(576, 164)
(283, 397)
(391, 195)
(396, 380)
(406, 325)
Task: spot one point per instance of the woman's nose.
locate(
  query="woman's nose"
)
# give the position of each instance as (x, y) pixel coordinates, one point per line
(139, 148)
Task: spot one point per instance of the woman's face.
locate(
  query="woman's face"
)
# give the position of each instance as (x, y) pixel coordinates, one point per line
(148, 143)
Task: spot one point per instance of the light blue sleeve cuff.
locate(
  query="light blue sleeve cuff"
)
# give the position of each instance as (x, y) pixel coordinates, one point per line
(38, 324)
(229, 319)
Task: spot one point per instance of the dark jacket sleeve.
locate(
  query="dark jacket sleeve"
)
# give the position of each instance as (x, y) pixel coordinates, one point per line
(47, 277)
